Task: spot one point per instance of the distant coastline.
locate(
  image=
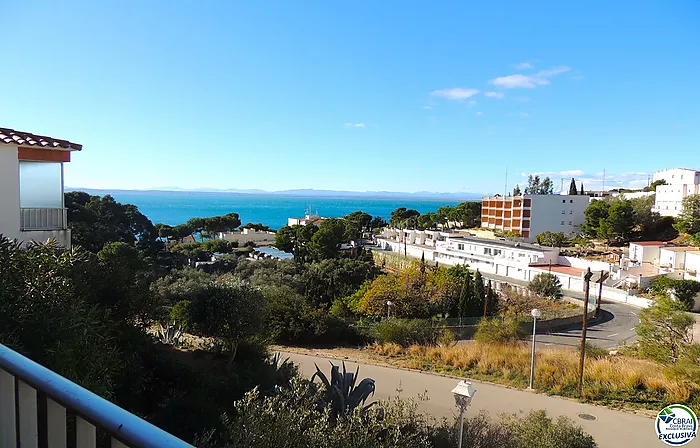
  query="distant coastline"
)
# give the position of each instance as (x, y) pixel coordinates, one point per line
(273, 210)
(301, 193)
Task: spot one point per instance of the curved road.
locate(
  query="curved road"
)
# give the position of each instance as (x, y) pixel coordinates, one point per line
(610, 428)
(615, 326)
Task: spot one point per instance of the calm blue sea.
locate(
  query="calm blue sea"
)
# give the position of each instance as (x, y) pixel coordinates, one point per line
(177, 207)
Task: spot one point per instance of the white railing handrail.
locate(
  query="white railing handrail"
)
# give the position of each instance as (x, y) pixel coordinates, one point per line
(43, 218)
(117, 422)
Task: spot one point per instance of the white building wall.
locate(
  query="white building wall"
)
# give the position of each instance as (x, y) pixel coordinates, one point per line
(549, 211)
(672, 258)
(644, 254)
(9, 191)
(692, 266)
(680, 183)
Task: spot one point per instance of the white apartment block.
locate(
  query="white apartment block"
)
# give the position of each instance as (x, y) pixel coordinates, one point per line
(500, 257)
(532, 214)
(31, 187)
(680, 183)
(248, 235)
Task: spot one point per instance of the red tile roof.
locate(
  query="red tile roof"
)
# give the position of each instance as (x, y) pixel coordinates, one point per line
(12, 137)
(650, 243)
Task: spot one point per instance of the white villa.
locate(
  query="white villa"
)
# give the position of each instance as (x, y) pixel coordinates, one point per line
(31, 186)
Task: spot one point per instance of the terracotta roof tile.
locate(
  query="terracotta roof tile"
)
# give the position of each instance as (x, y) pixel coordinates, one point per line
(12, 137)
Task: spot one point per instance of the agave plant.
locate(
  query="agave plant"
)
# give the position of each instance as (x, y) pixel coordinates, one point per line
(342, 393)
(169, 334)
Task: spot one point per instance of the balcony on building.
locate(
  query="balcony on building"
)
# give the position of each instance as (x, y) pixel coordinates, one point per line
(31, 187)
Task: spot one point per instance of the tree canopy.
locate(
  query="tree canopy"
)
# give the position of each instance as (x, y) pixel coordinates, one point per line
(535, 185)
(97, 220)
(688, 220)
(572, 188)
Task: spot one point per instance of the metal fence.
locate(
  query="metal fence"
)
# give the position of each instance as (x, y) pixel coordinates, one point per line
(43, 218)
(20, 424)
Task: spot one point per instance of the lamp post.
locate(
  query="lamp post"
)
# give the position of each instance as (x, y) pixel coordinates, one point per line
(535, 314)
(463, 393)
(388, 308)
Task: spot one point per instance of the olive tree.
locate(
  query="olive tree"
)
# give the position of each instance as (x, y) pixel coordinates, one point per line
(546, 285)
(229, 311)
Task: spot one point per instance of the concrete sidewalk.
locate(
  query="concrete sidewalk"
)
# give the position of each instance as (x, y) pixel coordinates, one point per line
(612, 429)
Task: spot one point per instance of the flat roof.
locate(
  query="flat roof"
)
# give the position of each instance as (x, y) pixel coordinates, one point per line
(679, 248)
(650, 243)
(502, 243)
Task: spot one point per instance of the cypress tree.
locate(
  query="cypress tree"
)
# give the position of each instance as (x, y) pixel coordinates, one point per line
(464, 295)
(582, 192)
(572, 188)
(478, 293)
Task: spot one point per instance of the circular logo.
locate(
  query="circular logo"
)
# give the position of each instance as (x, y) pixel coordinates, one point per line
(676, 425)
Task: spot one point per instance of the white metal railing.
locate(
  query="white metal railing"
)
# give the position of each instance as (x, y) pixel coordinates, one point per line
(43, 218)
(21, 378)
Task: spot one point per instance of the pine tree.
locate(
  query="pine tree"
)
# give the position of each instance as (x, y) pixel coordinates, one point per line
(582, 192)
(516, 191)
(572, 188)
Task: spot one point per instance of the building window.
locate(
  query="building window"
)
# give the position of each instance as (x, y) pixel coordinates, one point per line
(569, 222)
(460, 247)
(571, 212)
(563, 201)
(571, 201)
(562, 223)
(563, 212)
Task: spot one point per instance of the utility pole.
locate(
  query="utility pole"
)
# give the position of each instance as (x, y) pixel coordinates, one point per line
(587, 280)
(603, 277)
(505, 186)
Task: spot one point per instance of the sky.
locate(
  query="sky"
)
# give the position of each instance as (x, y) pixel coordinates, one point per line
(359, 96)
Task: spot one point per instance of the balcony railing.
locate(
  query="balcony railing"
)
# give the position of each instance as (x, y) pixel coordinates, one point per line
(42, 218)
(21, 378)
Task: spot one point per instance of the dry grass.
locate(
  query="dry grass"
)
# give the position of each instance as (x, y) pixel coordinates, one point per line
(610, 379)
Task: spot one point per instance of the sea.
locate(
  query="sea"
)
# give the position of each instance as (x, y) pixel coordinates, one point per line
(176, 207)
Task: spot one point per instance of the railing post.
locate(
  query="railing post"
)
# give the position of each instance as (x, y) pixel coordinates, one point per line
(8, 422)
(28, 429)
(85, 434)
(55, 424)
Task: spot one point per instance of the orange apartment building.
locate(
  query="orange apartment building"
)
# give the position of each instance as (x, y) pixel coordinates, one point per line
(530, 215)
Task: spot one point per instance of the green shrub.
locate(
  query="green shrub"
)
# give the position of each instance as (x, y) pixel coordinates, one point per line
(291, 319)
(405, 331)
(180, 314)
(499, 331)
(537, 430)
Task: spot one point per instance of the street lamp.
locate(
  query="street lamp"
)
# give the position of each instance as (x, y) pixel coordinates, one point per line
(388, 308)
(463, 393)
(535, 314)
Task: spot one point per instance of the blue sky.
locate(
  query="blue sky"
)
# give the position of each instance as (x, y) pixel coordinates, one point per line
(363, 95)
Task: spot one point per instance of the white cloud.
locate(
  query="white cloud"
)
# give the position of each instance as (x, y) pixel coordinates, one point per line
(519, 81)
(498, 95)
(554, 71)
(480, 113)
(427, 107)
(524, 115)
(455, 94)
(355, 125)
(573, 173)
(471, 103)
(523, 66)
(595, 181)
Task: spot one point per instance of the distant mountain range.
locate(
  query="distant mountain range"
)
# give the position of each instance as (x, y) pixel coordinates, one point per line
(300, 193)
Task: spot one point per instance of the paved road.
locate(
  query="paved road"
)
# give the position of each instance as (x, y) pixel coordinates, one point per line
(615, 326)
(612, 429)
